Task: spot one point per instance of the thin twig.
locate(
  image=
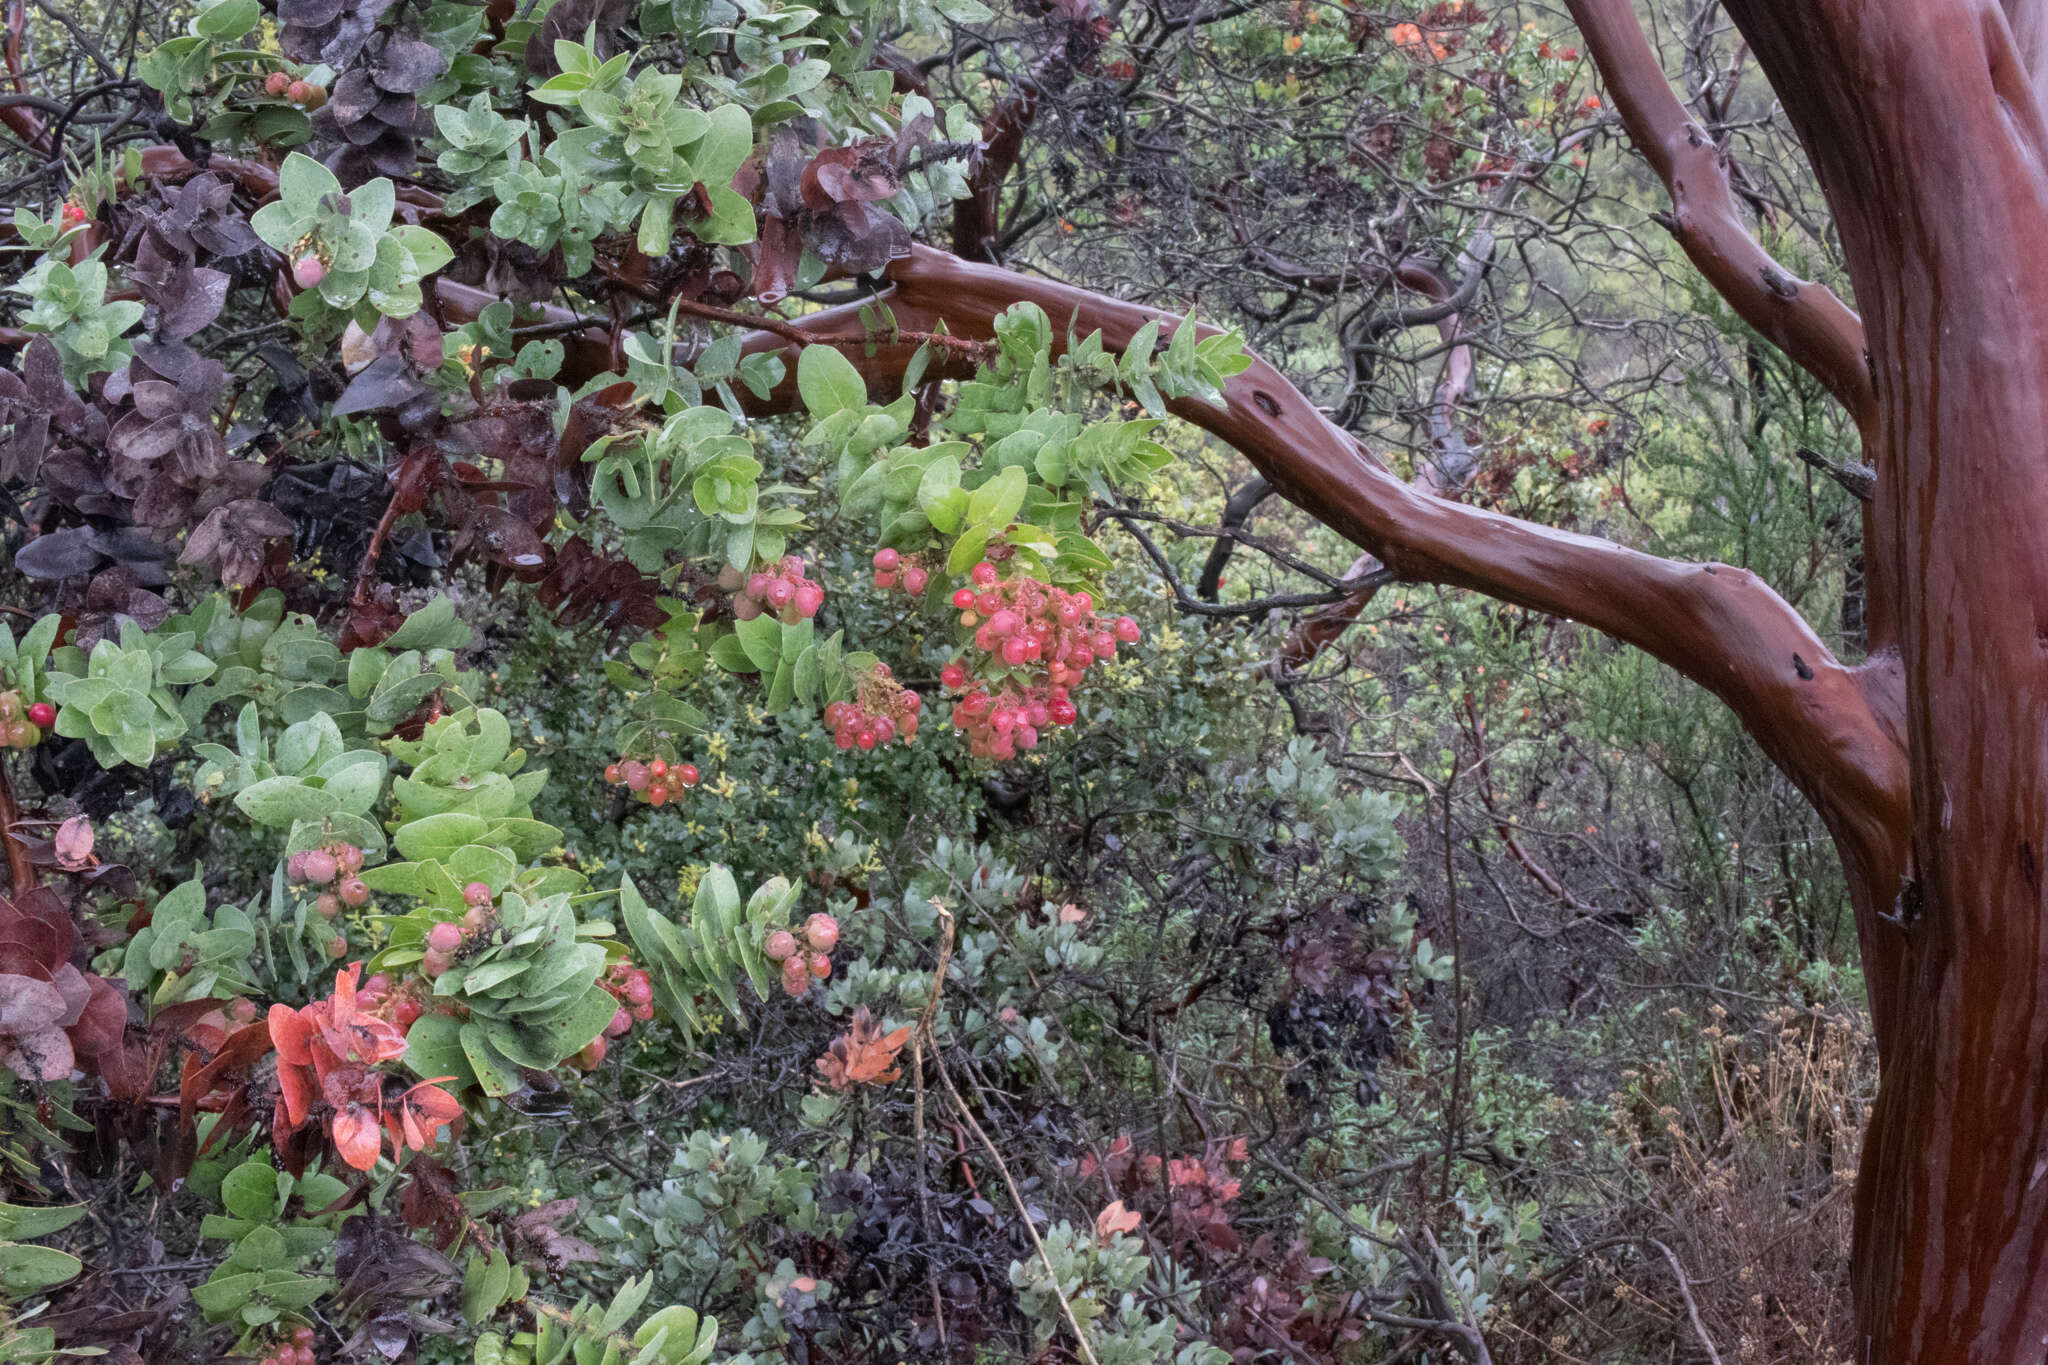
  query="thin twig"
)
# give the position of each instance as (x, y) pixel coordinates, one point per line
(1002, 1169)
(1692, 1310)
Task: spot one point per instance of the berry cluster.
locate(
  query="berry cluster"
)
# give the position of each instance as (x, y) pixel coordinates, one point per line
(893, 570)
(882, 710)
(401, 1003)
(653, 781)
(21, 727)
(305, 94)
(1036, 642)
(334, 869)
(779, 589)
(805, 957)
(73, 214)
(630, 986)
(297, 1351)
(445, 940)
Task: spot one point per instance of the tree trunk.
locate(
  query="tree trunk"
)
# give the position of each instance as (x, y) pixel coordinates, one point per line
(1923, 124)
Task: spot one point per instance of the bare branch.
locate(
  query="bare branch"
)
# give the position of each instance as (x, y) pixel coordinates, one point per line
(1805, 319)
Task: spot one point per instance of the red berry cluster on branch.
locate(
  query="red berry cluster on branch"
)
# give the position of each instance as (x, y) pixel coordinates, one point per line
(882, 709)
(893, 570)
(333, 869)
(21, 727)
(630, 986)
(654, 780)
(804, 953)
(1035, 642)
(305, 94)
(297, 1351)
(779, 589)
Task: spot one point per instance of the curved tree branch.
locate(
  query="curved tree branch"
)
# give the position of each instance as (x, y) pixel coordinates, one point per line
(1805, 319)
(1721, 626)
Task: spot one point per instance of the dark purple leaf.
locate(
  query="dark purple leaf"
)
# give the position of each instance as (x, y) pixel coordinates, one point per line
(58, 554)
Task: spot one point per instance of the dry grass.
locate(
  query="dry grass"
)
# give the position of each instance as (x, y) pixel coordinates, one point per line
(1742, 1149)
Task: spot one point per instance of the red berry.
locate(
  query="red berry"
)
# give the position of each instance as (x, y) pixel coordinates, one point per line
(914, 580)
(302, 1336)
(337, 947)
(475, 918)
(592, 1055)
(781, 946)
(953, 675)
(613, 775)
(796, 976)
(354, 892)
(887, 560)
(884, 580)
(657, 795)
(349, 858)
(42, 715)
(434, 961)
(1126, 629)
(319, 866)
(821, 966)
(621, 1024)
(821, 931)
(327, 904)
(298, 91)
(639, 990)
(444, 938)
(276, 83)
(405, 1012)
(687, 775)
(477, 894)
(964, 598)
(658, 768)
(983, 573)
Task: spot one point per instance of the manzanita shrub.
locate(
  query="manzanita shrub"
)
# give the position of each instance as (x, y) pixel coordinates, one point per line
(499, 259)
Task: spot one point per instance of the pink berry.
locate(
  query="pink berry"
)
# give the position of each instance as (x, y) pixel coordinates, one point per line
(887, 560)
(308, 271)
(964, 598)
(434, 962)
(820, 965)
(953, 675)
(337, 947)
(444, 938)
(821, 931)
(639, 990)
(354, 892)
(276, 83)
(475, 918)
(478, 894)
(914, 580)
(780, 593)
(809, 597)
(319, 866)
(295, 867)
(592, 1056)
(637, 776)
(1125, 629)
(983, 573)
(327, 904)
(781, 946)
(687, 775)
(349, 858)
(884, 580)
(621, 1024)
(42, 715)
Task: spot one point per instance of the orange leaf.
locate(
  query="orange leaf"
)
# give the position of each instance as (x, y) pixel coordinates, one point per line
(1115, 1220)
(863, 1055)
(356, 1137)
